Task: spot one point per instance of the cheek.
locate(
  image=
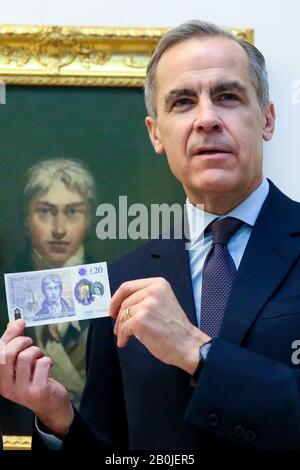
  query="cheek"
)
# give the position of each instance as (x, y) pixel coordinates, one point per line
(247, 137)
(175, 134)
(250, 132)
(251, 148)
(37, 232)
(77, 232)
(176, 144)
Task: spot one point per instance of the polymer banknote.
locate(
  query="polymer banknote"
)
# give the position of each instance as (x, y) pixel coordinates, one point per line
(58, 295)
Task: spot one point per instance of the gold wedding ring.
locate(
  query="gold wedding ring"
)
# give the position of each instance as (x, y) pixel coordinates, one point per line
(127, 313)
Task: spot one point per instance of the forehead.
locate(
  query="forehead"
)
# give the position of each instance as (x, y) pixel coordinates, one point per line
(198, 61)
(51, 283)
(59, 194)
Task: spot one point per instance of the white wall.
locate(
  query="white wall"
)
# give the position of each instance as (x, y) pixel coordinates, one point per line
(277, 34)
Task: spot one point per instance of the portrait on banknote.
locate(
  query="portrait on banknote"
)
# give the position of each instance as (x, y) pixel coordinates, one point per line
(54, 304)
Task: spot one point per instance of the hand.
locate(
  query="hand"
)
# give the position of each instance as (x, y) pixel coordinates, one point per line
(157, 321)
(24, 378)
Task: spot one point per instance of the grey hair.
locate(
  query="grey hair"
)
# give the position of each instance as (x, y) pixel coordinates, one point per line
(73, 174)
(201, 29)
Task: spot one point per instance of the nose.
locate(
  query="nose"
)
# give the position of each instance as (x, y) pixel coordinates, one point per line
(207, 118)
(59, 228)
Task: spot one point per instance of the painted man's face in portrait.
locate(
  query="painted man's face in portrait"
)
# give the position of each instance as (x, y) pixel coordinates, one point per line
(57, 223)
(52, 291)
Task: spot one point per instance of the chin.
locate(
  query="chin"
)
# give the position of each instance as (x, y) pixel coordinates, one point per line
(57, 260)
(217, 182)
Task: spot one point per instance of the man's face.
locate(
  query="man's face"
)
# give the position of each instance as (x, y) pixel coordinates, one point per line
(57, 223)
(209, 122)
(52, 291)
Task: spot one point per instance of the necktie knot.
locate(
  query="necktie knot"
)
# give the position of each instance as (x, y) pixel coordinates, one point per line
(223, 229)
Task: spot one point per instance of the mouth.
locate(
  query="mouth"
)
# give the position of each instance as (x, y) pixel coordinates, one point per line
(215, 152)
(58, 246)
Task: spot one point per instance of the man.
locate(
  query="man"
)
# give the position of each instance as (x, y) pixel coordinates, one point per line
(54, 305)
(57, 206)
(202, 354)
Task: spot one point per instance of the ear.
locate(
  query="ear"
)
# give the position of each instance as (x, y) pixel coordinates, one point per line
(154, 134)
(269, 122)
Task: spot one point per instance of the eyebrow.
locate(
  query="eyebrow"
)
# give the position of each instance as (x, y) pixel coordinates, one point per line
(219, 88)
(179, 92)
(54, 206)
(230, 86)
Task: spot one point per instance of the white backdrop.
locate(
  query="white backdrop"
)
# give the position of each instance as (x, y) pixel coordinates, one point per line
(277, 34)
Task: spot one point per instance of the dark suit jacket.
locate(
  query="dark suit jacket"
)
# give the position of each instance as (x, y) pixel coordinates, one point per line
(248, 393)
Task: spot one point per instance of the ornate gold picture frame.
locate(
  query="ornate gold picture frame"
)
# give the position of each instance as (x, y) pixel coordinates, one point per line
(77, 56)
(17, 442)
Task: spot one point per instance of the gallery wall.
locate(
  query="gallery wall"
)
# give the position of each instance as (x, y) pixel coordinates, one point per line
(277, 34)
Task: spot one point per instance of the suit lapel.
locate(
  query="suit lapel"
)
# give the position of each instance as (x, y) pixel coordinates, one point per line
(173, 265)
(269, 255)
(272, 249)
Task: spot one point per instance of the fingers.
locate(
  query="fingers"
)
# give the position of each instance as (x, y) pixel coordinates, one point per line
(7, 370)
(31, 372)
(126, 330)
(26, 363)
(129, 302)
(125, 290)
(138, 300)
(13, 330)
(24, 378)
(14, 347)
(41, 371)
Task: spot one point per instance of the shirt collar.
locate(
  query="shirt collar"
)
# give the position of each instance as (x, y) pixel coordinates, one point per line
(40, 263)
(247, 211)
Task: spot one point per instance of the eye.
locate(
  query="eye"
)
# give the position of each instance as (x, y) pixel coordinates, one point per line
(73, 211)
(182, 102)
(231, 97)
(43, 210)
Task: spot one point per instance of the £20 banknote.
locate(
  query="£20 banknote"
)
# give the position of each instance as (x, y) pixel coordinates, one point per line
(58, 295)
